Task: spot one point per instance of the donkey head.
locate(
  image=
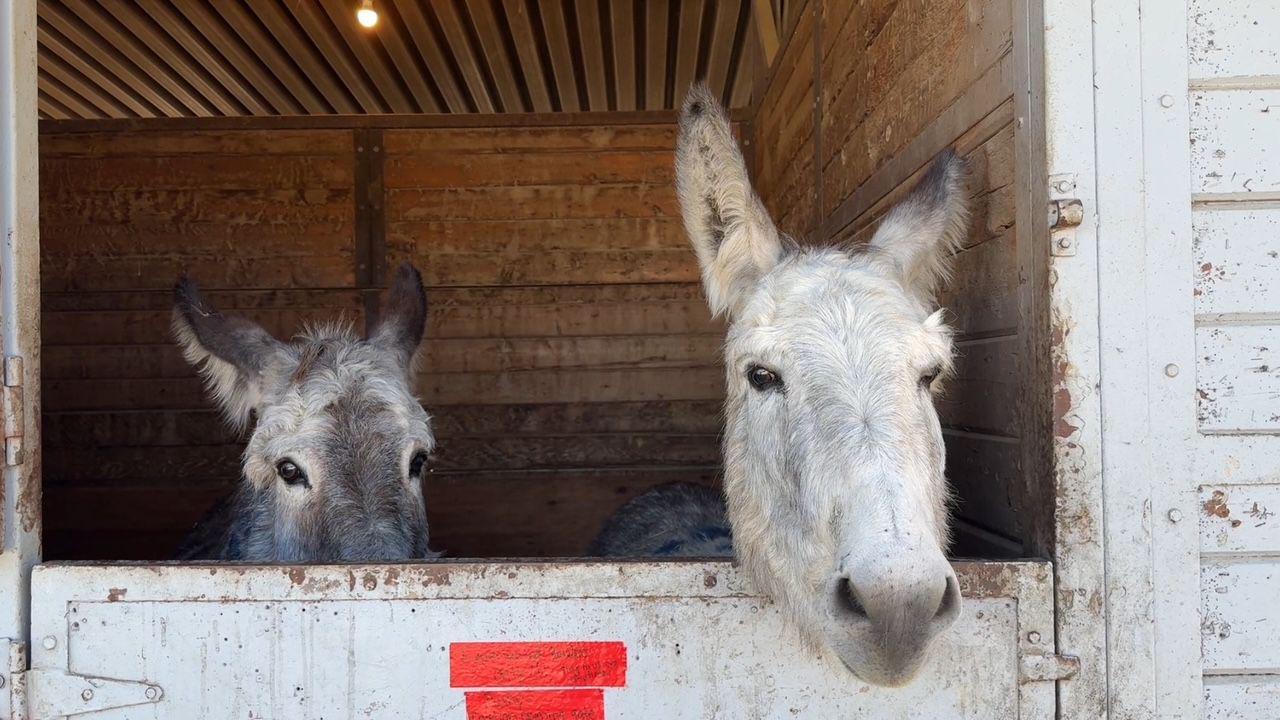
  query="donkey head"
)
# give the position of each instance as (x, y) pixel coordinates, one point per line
(833, 450)
(333, 468)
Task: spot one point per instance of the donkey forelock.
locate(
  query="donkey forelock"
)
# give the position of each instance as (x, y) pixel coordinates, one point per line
(334, 463)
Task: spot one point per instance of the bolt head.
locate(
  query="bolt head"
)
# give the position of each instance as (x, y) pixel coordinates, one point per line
(153, 692)
(86, 695)
(1171, 370)
(1063, 186)
(1175, 515)
(1033, 637)
(1166, 101)
(50, 642)
(1064, 242)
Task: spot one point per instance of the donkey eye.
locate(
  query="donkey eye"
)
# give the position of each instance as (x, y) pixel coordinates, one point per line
(926, 380)
(417, 464)
(763, 378)
(290, 473)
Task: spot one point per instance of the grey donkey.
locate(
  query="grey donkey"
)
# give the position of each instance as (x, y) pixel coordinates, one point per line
(339, 444)
(833, 452)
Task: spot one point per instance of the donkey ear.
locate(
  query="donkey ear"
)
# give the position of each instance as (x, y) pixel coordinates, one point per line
(731, 232)
(231, 353)
(925, 229)
(405, 312)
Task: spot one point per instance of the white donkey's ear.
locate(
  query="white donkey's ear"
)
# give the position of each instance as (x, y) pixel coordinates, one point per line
(231, 353)
(732, 234)
(925, 229)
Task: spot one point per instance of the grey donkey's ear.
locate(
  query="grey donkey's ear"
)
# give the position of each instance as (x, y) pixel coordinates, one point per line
(732, 233)
(925, 229)
(403, 317)
(231, 353)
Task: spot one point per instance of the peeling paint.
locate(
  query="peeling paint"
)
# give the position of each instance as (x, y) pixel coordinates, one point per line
(1216, 505)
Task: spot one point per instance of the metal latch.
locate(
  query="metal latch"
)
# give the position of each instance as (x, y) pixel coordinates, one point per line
(1066, 213)
(1037, 667)
(11, 400)
(51, 694)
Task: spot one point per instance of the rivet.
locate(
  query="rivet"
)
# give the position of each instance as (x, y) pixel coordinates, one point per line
(50, 642)
(1166, 101)
(1171, 370)
(1033, 637)
(86, 695)
(153, 692)
(1175, 515)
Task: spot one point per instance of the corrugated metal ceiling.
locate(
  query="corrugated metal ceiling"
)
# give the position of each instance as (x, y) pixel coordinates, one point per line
(235, 58)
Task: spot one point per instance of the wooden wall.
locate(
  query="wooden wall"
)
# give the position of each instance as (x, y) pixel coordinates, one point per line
(860, 99)
(570, 361)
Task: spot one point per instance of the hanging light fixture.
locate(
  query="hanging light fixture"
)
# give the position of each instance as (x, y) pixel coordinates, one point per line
(366, 15)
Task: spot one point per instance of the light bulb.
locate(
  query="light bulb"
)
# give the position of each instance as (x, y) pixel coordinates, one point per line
(366, 15)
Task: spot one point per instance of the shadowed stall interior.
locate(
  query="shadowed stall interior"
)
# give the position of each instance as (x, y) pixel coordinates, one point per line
(570, 361)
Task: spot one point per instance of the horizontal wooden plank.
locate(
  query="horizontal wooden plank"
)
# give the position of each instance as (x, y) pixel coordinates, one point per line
(465, 169)
(115, 144)
(602, 137)
(1237, 260)
(527, 236)
(1240, 518)
(1239, 615)
(497, 515)
(185, 428)
(985, 473)
(1232, 39)
(982, 296)
(1238, 378)
(695, 382)
(282, 270)
(236, 206)
(67, 237)
(1241, 697)
(547, 202)
(143, 318)
(553, 268)
(114, 362)
(1233, 141)
(208, 172)
(982, 395)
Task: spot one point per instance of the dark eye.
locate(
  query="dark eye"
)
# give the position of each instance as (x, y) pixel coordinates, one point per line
(763, 378)
(418, 464)
(291, 473)
(926, 380)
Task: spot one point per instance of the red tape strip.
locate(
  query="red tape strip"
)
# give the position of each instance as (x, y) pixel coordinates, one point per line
(536, 705)
(537, 664)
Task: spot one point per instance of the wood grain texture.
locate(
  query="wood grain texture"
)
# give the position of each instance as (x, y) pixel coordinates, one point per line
(570, 358)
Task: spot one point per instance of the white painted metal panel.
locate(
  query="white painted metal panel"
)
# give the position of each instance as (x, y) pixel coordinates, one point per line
(1240, 519)
(1233, 40)
(1235, 138)
(1241, 698)
(1237, 259)
(1241, 615)
(285, 642)
(1238, 377)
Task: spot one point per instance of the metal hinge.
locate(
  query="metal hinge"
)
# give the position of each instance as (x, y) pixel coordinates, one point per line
(14, 421)
(51, 694)
(1037, 667)
(1066, 213)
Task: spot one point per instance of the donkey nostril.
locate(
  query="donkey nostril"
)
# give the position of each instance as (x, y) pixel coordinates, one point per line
(949, 605)
(847, 599)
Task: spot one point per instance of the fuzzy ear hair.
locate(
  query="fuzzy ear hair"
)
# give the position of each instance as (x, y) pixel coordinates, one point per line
(924, 230)
(400, 329)
(231, 353)
(731, 232)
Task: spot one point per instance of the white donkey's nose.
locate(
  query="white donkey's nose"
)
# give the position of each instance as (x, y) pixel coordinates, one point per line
(895, 609)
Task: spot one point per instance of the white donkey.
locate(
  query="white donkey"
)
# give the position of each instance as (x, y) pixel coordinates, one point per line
(833, 453)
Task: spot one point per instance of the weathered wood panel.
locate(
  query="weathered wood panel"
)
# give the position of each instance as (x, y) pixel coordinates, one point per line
(1237, 255)
(1240, 519)
(783, 135)
(1233, 141)
(567, 331)
(1240, 618)
(1232, 40)
(1238, 378)
(1241, 697)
